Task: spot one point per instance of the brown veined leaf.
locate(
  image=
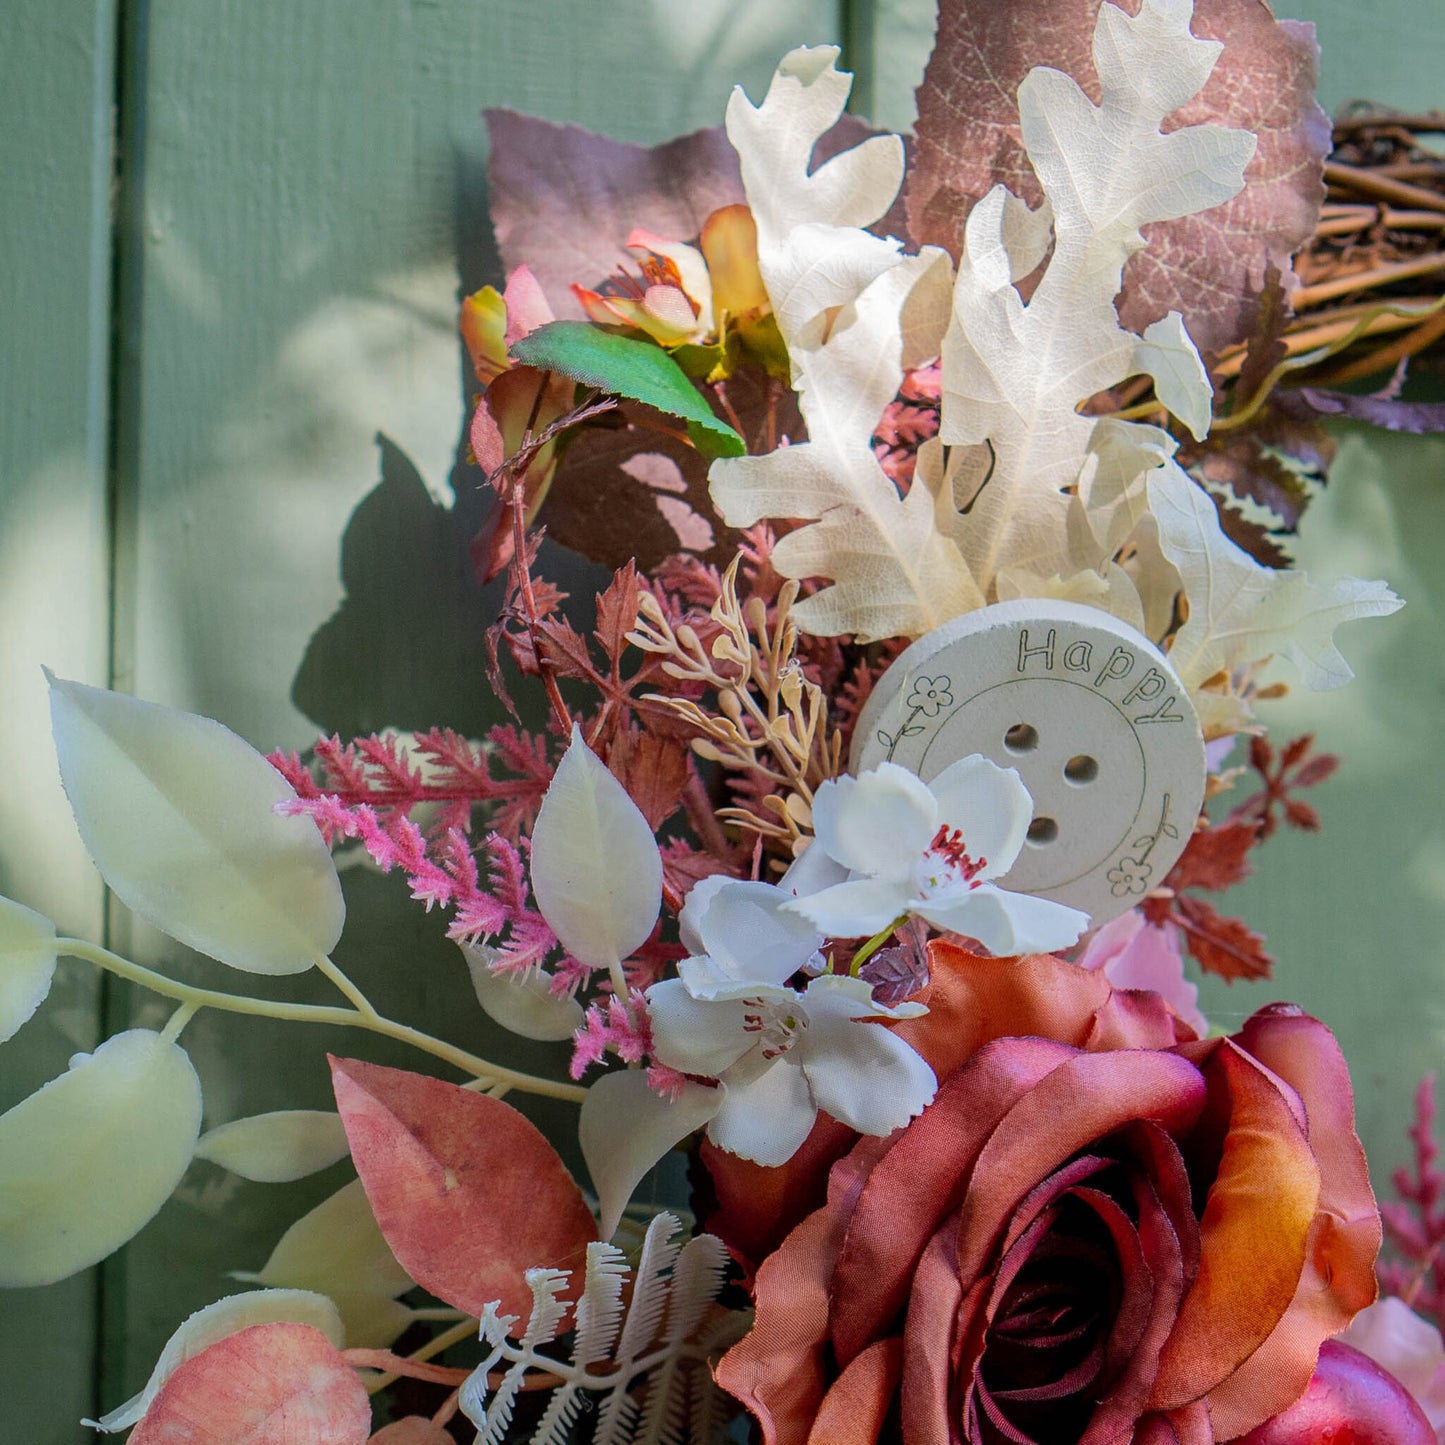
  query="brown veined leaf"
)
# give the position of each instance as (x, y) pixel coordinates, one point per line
(467, 1191)
(653, 769)
(1216, 857)
(1211, 266)
(1222, 946)
(279, 1384)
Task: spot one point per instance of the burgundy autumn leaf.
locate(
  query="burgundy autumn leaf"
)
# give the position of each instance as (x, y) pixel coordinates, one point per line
(1418, 417)
(896, 974)
(1222, 946)
(1211, 266)
(467, 1191)
(267, 1384)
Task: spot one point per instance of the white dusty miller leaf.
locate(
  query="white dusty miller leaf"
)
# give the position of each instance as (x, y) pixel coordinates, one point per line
(1241, 612)
(644, 1371)
(854, 312)
(1015, 373)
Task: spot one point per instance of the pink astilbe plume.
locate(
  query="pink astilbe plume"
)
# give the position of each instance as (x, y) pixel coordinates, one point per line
(624, 1029)
(1415, 1226)
(908, 421)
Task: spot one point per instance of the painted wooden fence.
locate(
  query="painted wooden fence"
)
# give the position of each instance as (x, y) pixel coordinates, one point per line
(232, 239)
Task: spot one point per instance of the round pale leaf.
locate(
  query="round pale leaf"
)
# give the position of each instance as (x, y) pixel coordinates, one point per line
(596, 870)
(525, 1005)
(625, 1128)
(467, 1191)
(27, 964)
(179, 815)
(337, 1250)
(413, 1430)
(88, 1159)
(275, 1384)
(276, 1148)
(208, 1326)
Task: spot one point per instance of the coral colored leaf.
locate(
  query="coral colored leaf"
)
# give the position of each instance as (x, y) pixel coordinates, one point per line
(1211, 266)
(212, 1324)
(625, 1128)
(27, 964)
(88, 1159)
(621, 365)
(1222, 946)
(276, 1148)
(412, 1430)
(596, 871)
(179, 815)
(337, 1250)
(274, 1384)
(467, 1191)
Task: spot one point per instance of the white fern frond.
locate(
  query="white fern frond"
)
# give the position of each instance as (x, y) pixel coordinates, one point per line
(644, 1370)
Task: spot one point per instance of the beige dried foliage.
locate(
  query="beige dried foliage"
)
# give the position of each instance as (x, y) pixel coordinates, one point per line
(768, 719)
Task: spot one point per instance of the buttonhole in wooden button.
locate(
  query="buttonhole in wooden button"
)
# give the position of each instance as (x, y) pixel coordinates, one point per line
(1041, 831)
(1021, 738)
(1081, 769)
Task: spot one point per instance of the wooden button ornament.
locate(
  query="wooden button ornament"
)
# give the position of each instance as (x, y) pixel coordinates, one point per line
(1089, 713)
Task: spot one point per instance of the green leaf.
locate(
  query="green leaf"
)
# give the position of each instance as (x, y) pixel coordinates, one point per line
(638, 370)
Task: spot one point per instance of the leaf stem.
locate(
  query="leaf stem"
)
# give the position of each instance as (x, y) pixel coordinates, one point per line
(433, 1347)
(373, 1022)
(875, 943)
(348, 990)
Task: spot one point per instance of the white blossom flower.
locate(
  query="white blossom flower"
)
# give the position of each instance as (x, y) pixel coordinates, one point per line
(779, 1054)
(887, 845)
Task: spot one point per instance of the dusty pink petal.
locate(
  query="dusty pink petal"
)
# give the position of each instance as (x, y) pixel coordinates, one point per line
(1209, 267)
(780, 1370)
(935, 1308)
(1133, 954)
(921, 1180)
(855, 1409)
(527, 307)
(1136, 1020)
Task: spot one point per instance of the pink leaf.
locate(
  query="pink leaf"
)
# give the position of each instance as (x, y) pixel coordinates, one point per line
(280, 1384)
(468, 1193)
(1210, 266)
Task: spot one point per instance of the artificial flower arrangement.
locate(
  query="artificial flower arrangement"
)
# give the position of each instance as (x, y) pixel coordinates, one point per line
(863, 843)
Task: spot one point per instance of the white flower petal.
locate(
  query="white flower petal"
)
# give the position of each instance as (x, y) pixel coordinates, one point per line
(625, 1127)
(989, 805)
(767, 1118)
(696, 1036)
(596, 870)
(1005, 923)
(863, 1074)
(699, 898)
(854, 909)
(27, 964)
(811, 872)
(747, 934)
(877, 823)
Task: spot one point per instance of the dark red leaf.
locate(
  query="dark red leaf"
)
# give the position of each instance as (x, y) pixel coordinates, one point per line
(1301, 815)
(1215, 857)
(1418, 417)
(468, 1193)
(1316, 770)
(617, 612)
(653, 769)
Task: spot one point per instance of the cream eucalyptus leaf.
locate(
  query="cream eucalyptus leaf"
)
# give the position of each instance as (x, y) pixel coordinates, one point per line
(89, 1158)
(27, 964)
(276, 1148)
(180, 817)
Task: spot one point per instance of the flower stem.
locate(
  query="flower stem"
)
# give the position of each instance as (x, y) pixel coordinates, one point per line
(372, 1022)
(874, 944)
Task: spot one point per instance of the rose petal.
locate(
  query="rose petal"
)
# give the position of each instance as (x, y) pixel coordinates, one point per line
(1253, 1232)
(856, 1407)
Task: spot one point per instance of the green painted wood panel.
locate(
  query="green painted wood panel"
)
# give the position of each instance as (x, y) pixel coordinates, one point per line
(56, 88)
(311, 200)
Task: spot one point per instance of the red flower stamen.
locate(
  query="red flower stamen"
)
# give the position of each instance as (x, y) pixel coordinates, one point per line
(948, 845)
